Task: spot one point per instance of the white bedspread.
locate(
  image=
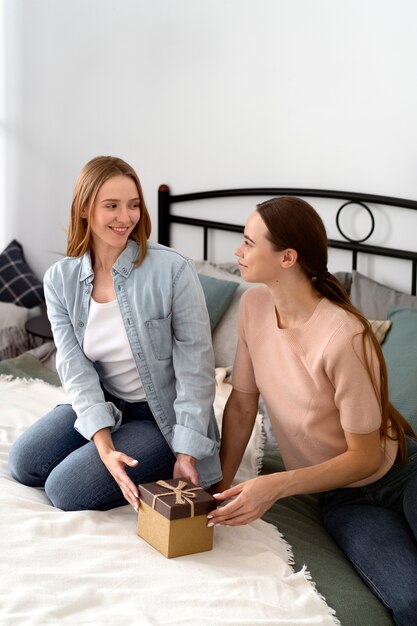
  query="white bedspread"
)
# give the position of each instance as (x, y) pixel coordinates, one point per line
(90, 567)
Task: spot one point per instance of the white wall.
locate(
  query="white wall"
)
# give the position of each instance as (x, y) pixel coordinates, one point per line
(202, 95)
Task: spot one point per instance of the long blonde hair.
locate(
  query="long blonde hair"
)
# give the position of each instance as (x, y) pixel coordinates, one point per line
(293, 223)
(93, 175)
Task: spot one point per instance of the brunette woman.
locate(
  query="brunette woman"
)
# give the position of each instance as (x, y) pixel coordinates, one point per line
(322, 375)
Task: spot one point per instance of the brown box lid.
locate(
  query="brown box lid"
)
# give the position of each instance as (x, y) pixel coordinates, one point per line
(181, 498)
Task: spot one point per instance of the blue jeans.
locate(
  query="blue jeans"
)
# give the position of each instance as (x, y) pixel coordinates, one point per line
(376, 527)
(53, 455)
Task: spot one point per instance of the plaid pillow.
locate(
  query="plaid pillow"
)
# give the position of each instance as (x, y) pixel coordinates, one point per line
(18, 284)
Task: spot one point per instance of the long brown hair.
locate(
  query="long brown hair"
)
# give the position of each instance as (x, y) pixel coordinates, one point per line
(293, 223)
(91, 178)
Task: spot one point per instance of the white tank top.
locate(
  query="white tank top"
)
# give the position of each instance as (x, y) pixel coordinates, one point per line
(106, 342)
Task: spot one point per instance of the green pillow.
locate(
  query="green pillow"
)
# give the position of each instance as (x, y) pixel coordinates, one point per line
(218, 294)
(28, 366)
(400, 352)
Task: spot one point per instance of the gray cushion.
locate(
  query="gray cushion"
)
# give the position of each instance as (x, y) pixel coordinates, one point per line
(374, 299)
(345, 278)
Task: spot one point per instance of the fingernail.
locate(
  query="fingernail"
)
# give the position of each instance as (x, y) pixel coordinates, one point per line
(136, 508)
(209, 516)
(210, 524)
(216, 495)
(134, 462)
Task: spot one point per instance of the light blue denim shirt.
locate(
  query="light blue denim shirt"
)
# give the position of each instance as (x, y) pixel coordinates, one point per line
(167, 325)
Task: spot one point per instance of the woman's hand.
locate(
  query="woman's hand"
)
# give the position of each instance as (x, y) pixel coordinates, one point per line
(185, 468)
(251, 499)
(248, 501)
(116, 462)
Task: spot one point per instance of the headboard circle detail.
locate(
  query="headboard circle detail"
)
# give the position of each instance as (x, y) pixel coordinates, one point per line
(371, 215)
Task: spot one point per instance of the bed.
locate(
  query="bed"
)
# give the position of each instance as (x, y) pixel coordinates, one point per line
(90, 567)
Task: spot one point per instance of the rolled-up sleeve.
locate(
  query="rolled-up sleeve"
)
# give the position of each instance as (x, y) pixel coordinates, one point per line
(188, 441)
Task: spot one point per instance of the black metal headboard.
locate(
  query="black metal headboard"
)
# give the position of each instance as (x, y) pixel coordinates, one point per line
(355, 246)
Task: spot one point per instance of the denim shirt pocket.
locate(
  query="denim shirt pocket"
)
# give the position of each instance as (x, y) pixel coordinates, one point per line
(160, 335)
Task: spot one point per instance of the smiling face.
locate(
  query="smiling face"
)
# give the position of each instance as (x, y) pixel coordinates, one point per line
(115, 213)
(258, 261)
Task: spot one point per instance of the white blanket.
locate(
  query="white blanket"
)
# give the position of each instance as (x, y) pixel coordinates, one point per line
(90, 567)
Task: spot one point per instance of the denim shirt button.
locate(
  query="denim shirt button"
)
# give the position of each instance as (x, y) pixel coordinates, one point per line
(80, 324)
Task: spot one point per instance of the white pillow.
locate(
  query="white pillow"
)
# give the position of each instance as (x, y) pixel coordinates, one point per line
(13, 337)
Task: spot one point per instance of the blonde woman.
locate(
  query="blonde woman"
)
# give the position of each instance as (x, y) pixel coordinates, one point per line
(133, 353)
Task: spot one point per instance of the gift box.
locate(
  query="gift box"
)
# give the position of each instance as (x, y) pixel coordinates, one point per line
(172, 517)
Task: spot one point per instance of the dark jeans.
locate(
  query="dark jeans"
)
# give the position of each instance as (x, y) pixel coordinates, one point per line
(376, 527)
(53, 455)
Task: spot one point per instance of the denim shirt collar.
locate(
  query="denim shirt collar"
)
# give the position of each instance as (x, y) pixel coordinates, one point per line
(123, 265)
